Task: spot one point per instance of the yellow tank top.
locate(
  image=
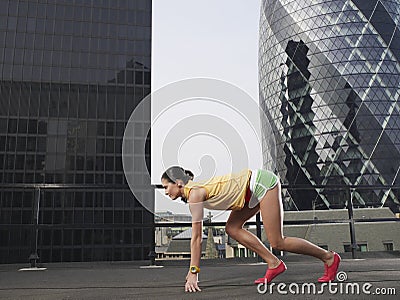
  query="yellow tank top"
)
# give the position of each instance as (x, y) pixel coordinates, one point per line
(223, 192)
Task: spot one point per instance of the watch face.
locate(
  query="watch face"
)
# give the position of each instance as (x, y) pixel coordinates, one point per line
(193, 270)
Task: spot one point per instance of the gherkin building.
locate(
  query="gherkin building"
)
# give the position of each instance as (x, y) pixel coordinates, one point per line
(329, 79)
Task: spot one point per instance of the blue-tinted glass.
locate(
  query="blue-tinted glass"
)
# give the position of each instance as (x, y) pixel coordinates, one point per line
(354, 51)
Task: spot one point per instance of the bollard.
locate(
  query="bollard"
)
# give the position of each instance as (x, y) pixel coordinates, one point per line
(152, 255)
(33, 259)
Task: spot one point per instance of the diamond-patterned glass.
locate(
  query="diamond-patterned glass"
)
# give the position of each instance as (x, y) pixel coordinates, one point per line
(338, 110)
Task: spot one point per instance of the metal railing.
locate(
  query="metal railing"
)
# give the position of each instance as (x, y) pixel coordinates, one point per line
(38, 188)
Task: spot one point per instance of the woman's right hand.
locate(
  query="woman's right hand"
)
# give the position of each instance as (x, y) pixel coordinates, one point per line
(192, 283)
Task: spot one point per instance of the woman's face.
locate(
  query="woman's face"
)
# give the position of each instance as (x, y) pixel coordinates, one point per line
(171, 189)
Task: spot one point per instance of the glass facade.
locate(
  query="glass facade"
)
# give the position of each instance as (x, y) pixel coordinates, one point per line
(330, 85)
(71, 73)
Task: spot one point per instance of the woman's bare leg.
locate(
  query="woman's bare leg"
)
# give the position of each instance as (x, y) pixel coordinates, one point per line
(272, 216)
(234, 228)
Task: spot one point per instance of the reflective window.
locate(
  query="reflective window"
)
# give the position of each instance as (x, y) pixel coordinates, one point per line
(65, 78)
(351, 85)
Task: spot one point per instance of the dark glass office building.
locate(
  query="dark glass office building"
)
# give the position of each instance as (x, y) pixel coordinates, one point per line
(330, 85)
(71, 73)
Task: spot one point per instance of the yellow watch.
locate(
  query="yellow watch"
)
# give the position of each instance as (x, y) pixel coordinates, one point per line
(194, 269)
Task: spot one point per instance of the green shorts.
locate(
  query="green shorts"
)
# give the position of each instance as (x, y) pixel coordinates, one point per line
(261, 181)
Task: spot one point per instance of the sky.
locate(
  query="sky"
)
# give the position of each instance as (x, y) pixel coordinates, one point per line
(217, 40)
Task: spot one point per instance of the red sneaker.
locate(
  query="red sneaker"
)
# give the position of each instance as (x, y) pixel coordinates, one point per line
(271, 273)
(330, 271)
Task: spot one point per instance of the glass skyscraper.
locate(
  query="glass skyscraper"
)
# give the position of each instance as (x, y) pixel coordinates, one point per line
(71, 73)
(330, 85)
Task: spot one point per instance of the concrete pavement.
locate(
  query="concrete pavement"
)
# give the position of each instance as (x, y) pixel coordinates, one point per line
(219, 279)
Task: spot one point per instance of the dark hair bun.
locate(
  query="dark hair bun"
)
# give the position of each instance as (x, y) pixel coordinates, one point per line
(190, 174)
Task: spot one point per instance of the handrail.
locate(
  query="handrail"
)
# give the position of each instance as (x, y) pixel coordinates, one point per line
(159, 186)
(61, 186)
(288, 222)
(321, 186)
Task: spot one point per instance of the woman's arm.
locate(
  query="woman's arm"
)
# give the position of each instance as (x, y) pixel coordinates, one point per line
(196, 199)
(195, 243)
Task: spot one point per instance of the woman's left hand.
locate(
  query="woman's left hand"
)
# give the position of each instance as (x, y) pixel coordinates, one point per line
(192, 283)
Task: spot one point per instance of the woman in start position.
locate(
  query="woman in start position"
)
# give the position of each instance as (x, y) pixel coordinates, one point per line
(244, 193)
